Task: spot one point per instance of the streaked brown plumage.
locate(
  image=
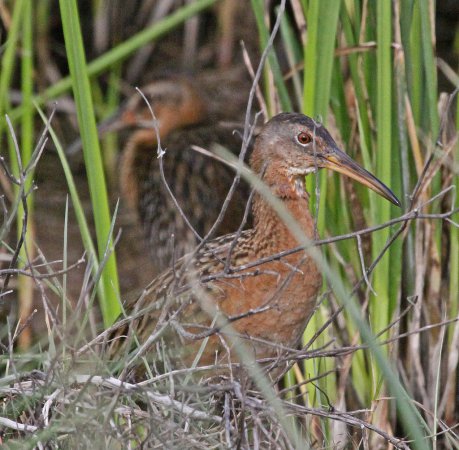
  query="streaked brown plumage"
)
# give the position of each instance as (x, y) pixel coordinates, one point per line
(188, 299)
(186, 117)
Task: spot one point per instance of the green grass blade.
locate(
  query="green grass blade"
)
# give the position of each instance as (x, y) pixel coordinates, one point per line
(430, 86)
(25, 284)
(328, 25)
(293, 53)
(85, 112)
(27, 134)
(7, 66)
(379, 307)
(310, 59)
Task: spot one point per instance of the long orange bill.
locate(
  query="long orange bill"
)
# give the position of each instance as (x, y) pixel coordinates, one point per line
(340, 162)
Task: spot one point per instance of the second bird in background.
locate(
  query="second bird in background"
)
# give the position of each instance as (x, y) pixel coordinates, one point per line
(189, 113)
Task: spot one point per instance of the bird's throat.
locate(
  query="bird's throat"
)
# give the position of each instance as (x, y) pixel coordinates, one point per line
(273, 230)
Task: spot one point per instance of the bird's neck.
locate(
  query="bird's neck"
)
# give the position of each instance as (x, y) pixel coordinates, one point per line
(135, 164)
(272, 233)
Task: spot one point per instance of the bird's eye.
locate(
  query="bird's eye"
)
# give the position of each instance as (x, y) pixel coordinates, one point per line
(304, 138)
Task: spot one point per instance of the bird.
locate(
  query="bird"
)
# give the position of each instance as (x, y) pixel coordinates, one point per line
(185, 117)
(267, 305)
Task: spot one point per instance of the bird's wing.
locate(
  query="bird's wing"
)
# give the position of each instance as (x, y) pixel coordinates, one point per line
(175, 289)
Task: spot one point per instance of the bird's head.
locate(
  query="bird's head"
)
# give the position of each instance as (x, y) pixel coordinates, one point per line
(297, 145)
(175, 103)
